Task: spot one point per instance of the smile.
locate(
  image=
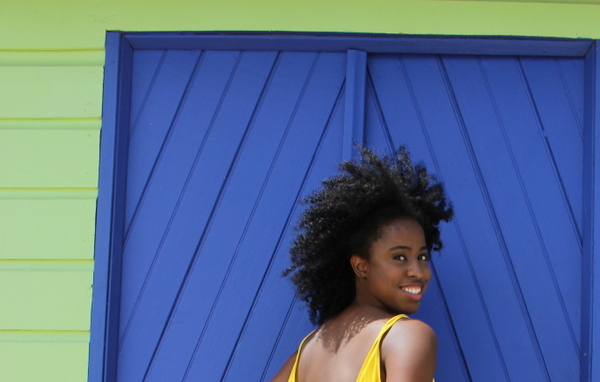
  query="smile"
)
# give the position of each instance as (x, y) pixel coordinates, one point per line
(412, 290)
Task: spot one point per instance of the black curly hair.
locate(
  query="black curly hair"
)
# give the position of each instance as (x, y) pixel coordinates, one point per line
(346, 216)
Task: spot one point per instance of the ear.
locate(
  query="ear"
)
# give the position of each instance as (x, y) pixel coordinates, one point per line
(360, 266)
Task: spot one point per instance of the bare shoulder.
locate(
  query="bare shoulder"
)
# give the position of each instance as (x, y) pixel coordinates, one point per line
(284, 373)
(410, 332)
(409, 351)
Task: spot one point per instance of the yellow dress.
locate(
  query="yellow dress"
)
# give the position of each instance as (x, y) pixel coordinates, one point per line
(371, 368)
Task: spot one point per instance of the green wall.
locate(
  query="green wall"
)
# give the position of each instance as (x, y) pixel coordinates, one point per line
(51, 58)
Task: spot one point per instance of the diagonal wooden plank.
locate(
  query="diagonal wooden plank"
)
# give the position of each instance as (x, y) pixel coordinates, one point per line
(323, 87)
(554, 228)
(409, 116)
(252, 184)
(153, 127)
(512, 221)
(434, 309)
(195, 209)
(317, 162)
(171, 176)
(146, 69)
(557, 113)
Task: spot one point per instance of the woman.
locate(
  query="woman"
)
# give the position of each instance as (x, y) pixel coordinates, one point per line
(360, 261)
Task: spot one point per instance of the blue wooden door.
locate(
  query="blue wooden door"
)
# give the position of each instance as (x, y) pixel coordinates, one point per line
(504, 135)
(222, 144)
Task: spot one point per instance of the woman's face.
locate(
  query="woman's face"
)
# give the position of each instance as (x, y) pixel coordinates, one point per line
(397, 271)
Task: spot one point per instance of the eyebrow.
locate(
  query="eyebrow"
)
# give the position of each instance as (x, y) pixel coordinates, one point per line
(406, 247)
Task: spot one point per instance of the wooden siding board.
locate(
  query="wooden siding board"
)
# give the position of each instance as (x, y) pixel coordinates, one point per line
(91, 123)
(48, 26)
(71, 57)
(45, 300)
(50, 92)
(43, 361)
(62, 228)
(48, 158)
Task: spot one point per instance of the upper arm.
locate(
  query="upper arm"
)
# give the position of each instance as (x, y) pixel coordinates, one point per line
(409, 352)
(284, 373)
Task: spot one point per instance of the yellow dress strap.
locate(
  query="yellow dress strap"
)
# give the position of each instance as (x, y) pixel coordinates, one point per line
(371, 368)
(294, 373)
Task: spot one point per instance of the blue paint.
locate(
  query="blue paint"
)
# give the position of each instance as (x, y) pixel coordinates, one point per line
(590, 306)
(111, 210)
(205, 154)
(354, 109)
(340, 42)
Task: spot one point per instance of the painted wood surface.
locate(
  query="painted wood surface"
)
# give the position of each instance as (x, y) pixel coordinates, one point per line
(63, 228)
(51, 59)
(51, 158)
(202, 259)
(44, 25)
(590, 362)
(59, 91)
(515, 232)
(60, 359)
(57, 295)
(244, 121)
(49, 129)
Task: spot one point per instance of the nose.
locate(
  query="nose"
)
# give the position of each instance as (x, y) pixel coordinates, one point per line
(415, 269)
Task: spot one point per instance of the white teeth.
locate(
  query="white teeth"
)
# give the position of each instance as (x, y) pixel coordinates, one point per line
(412, 290)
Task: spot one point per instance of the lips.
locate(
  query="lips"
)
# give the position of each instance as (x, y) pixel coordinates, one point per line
(412, 289)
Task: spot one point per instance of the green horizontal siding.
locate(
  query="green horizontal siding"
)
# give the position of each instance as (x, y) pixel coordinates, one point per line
(50, 91)
(44, 299)
(43, 361)
(51, 58)
(48, 158)
(45, 57)
(56, 229)
(50, 116)
(82, 25)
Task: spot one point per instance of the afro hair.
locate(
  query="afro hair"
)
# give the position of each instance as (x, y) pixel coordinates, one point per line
(346, 215)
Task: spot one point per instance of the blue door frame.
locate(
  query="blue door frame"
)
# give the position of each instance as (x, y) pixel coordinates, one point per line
(114, 144)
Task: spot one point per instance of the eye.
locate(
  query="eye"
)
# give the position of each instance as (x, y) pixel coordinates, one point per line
(424, 257)
(400, 257)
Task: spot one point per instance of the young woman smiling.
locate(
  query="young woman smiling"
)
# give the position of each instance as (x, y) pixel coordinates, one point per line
(361, 262)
